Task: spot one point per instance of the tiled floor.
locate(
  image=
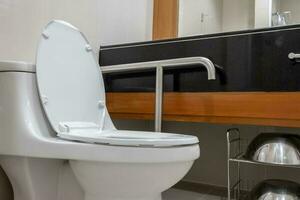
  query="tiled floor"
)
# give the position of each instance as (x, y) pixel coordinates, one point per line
(176, 194)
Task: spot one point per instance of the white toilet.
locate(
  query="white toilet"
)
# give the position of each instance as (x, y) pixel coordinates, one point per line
(53, 116)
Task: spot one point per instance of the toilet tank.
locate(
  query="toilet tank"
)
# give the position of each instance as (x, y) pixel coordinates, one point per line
(21, 116)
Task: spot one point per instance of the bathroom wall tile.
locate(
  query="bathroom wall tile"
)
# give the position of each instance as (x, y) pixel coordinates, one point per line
(102, 21)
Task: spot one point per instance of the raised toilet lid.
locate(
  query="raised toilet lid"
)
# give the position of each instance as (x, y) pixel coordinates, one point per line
(70, 84)
(72, 92)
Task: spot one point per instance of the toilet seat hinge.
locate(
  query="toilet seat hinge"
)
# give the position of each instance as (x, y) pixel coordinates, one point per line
(45, 34)
(68, 127)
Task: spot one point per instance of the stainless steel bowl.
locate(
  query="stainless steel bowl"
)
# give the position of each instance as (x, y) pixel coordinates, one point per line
(275, 190)
(275, 148)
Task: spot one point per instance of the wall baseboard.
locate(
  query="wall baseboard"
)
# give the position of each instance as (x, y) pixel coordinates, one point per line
(202, 188)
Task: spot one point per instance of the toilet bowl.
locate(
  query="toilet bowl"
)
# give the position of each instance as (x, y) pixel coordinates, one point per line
(55, 113)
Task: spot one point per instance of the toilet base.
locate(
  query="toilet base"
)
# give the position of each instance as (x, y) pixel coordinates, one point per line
(154, 197)
(32, 178)
(127, 181)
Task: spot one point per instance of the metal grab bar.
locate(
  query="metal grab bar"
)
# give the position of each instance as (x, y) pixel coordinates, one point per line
(293, 56)
(160, 65)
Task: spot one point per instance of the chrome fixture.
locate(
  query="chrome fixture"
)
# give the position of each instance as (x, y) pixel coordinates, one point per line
(294, 56)
(177, 62)
(275, 190)
(160, 65)
(275, 148)
(281, 18)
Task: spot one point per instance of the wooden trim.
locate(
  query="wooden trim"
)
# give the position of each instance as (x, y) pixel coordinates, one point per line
(165, 19)
(255, 108)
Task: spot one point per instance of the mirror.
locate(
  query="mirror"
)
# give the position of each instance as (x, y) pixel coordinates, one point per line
(198, 17)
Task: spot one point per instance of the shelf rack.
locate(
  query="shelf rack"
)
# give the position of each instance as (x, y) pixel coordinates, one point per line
(235, 154)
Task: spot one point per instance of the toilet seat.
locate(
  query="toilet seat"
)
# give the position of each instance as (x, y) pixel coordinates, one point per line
(132, 138)
(72, 93)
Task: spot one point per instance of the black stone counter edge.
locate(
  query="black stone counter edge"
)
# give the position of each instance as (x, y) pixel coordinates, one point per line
(206, 36)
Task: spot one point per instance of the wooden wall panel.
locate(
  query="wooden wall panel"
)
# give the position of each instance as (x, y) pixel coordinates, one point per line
(256, 108)
(165, 19)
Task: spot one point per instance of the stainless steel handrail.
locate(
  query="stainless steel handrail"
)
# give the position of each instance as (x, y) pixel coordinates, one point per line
(160, 65)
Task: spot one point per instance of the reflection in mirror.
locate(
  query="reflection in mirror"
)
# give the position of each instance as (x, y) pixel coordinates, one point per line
(198, 17)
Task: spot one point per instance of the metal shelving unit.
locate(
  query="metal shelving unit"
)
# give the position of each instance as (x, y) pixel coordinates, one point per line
(236, 147)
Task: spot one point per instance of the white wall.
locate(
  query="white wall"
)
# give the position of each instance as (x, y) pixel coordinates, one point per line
(263, 13)
(275, 6)
(199, 17)
(238, 15)
(219, 16)
(125, 21)
(231, 15)
(102, 21)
